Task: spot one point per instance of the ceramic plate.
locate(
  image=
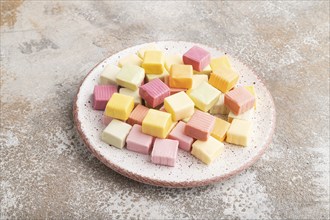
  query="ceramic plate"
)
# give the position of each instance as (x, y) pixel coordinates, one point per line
(189, 171)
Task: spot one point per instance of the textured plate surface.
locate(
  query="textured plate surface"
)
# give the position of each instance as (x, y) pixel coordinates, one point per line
(189, 171)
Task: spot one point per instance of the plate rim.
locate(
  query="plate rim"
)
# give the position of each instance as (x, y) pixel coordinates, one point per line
(162, 183)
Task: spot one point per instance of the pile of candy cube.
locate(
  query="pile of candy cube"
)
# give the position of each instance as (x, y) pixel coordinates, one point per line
(155, 104)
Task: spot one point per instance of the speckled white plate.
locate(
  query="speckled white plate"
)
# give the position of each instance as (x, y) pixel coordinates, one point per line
(189, 171)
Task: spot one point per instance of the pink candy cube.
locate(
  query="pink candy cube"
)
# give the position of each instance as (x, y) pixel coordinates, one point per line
(200, 125)
(165, 152)
(197, 57)
(138, 141)
(154, 92)
(102, 94)
(178, 134)
(239, 100)
(137, 115)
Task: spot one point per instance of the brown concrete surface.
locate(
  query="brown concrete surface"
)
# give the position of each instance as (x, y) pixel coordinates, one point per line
(47, 47)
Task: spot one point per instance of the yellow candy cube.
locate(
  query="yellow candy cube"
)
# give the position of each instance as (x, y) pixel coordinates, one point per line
(204, 96)
(239, 132)
(119, 106)
(224, 79)
(153, 62)
(220, 129)
(198, 79)
(253, 92)
(130, 76)
(133, 93)
(132, 59)
(157, 123)
(116, 133)
(207, 70)
(151, 46)
(172, 59)
(207, 151)
(108, 75)
(181, 76)
(220, 63)
(179, 105)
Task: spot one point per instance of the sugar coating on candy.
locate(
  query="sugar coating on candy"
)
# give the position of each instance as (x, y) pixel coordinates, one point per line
(138, 141)
(119, 106)
(137, 115)
(197, 57)
(207, 151)
(157, 123)
(153, 62)
(133, 93)
(239, 100)
(179, 105)
(239, 132)
(181, 76)
(102, 94)
(141, 51)
(165, 152)
(131, 59)
(109, 74)
(220, 129)
(154, 92)
(178, 134)
(204, 96)
(172, 59)
(220, 107)
(130, 76)
(217, 64)
(223, 79)
(115, 133)
(247, 116)
(200, 125)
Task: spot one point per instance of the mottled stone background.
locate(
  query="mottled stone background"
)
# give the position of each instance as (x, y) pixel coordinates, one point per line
(47, 47)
